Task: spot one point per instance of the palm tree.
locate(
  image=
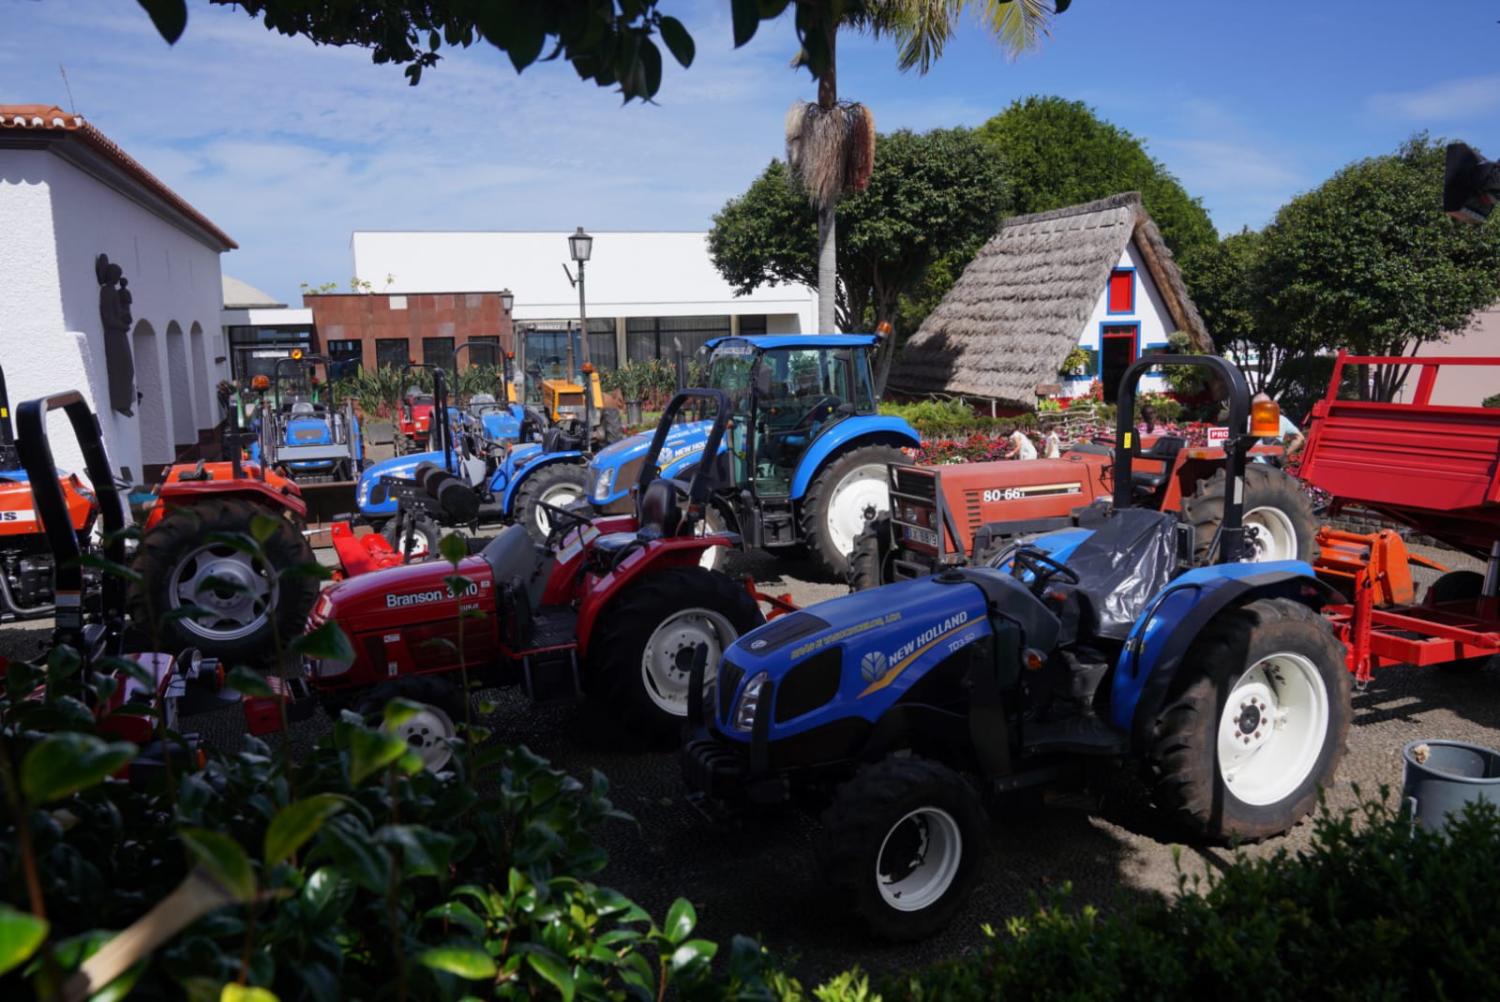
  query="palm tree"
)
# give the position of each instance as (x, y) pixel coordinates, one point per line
(831, 146)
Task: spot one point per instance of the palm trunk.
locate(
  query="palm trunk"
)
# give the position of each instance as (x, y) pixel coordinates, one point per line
(828, 263)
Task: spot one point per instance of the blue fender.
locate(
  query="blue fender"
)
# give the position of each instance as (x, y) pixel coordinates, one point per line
(851, 433)
(400, 466)
(1160, 639)
(682, 451)
(524, 468)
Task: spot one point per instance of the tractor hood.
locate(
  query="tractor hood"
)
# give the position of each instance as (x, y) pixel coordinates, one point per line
(400, 595)
(616, 468)
(502, 425)
(400, 466)
(308, 431)
(849, 657)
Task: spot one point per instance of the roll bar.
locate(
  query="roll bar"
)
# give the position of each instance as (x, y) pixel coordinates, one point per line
(1128, 446)
(67, 552)
(698, 489)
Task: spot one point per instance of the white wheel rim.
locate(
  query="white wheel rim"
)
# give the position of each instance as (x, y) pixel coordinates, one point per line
(428, 733)
(711, 524)
(232, 591)
(419, 547)
(918, 859)
(1272, 729)
(1273, 538)
(667, 662)
(558, 496)
(863, 494)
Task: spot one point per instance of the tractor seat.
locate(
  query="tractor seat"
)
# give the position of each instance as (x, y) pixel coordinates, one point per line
(302, 408)
(554, 439)
(516, 563)
(660, 518)
(482, 398)
(1165, 449)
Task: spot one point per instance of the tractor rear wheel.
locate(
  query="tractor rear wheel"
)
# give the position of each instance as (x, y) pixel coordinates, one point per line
(869, 564)
(611, 425)
(560, 485)
(242, 602)
(1278, 518)
(848, 492)
(641, 653)
(1258, 726)
(430, 730)
(1459, 586)
(902, 841)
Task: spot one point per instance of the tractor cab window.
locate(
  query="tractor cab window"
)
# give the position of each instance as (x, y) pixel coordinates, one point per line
(808, 390)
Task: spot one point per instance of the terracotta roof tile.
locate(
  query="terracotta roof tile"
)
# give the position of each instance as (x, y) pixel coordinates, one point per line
(50, 118)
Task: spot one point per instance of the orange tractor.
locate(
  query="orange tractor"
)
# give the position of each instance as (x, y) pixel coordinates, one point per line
(962, 513)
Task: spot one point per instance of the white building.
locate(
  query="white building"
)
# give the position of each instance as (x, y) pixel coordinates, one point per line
(650, 294)
(67, 195)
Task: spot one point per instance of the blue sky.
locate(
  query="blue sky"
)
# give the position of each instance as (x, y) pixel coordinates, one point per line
(290, 148)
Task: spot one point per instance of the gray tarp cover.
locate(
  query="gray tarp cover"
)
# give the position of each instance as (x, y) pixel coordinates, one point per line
(1129, 558)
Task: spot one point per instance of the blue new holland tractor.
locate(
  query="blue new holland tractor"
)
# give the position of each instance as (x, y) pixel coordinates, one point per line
(807, 448)
(900, 706)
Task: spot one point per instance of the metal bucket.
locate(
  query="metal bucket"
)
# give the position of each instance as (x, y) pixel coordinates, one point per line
(1443, 776)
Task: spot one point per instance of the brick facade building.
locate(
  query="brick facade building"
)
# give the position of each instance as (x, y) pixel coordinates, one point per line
(379, 329)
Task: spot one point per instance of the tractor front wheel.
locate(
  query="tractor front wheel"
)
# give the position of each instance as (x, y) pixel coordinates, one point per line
(424, 538)
(641, 653)
(846, 494)
(560, 485)
(1242, 747)
(431, 729)
(199, 590)
(902, 841)
(869, 564)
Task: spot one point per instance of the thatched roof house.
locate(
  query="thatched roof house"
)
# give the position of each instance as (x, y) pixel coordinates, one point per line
(1095, 276)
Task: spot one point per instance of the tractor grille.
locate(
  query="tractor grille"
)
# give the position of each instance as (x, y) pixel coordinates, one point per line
(730, 675)
(913, 481)
(973, 511)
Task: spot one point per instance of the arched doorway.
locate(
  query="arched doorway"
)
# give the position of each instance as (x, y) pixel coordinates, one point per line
(151, 408)
(202, 391)
(180, 390)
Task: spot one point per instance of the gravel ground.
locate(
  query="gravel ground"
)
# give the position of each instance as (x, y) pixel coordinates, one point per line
(758, 876)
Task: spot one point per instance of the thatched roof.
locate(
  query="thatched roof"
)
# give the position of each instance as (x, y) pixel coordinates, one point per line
(1017, 310)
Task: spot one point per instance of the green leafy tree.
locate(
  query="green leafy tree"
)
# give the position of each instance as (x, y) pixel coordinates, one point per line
(1059, 152)
(929, 193)
(1368, 262)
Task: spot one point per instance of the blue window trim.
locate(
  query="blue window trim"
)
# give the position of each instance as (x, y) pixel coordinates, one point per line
(1099, 355)
(1121, 313)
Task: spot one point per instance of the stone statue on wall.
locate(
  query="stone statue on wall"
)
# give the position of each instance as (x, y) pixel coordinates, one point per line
(114, 314)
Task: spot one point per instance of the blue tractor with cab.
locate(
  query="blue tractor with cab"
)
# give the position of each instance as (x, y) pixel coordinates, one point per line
(807, 448)
(901, 708)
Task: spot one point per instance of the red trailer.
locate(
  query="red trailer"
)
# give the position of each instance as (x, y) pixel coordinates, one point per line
(1435, 468)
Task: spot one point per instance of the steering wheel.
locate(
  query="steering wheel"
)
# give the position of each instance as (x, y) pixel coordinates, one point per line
(805, 422)
(1042, 567)
(561, 519)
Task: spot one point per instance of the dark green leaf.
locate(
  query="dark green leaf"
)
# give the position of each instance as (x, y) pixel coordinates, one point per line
(692, 952)
(328, 642)
(297, 822)
(554, 971)
(650, 57)
(371, 751)
(746, 14)
(247, 682)
(398, 711)
(224, 860)
(169, 16)
(63, 764)
(263, 527)
(20, 935)
(246, 993)
(677, 40)
(467, 962)
(681, 918)
(453, 547)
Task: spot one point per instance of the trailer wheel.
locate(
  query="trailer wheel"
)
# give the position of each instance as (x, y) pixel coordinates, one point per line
(902, 841)
(848, 492)
(1278, 516)
(869, 564)
(1459, 586)
(424, 538)
(431, 729)
(559, 485)
(641, 653)
(243, 604)
(1242, 747)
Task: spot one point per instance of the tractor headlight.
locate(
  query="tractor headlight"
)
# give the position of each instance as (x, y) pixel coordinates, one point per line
(749, 704)
(603, 483)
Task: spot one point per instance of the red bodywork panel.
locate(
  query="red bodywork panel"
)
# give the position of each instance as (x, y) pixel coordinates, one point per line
(18, 515)
(414, 420)
(361, 554)
(272, 489)
(1448, 458)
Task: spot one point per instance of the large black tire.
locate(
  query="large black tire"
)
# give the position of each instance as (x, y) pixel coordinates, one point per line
(869, 564)
(611, 425)
(425, 536)
(560, 485)
(428, 732)
(823, 538)
(1274, 506)
(1188, 777)
(678, 609)
(875, 811)
(1455, 586)
(178, 552)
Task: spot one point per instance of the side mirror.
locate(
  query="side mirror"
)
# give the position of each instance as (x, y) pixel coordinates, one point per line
(762, 381)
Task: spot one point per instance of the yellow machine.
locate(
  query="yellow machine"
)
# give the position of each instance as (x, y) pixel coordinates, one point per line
(564, 397)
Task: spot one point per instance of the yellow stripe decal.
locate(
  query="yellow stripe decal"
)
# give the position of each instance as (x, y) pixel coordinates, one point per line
(896, 669)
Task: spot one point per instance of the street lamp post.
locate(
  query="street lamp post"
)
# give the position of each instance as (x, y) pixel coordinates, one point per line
(580, 248)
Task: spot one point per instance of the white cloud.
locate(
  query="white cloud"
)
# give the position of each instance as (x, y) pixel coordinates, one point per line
(1448, 101)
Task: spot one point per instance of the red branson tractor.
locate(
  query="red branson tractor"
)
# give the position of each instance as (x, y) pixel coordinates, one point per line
(615, 609)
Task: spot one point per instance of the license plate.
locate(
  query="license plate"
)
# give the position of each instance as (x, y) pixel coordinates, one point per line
(924, 537)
